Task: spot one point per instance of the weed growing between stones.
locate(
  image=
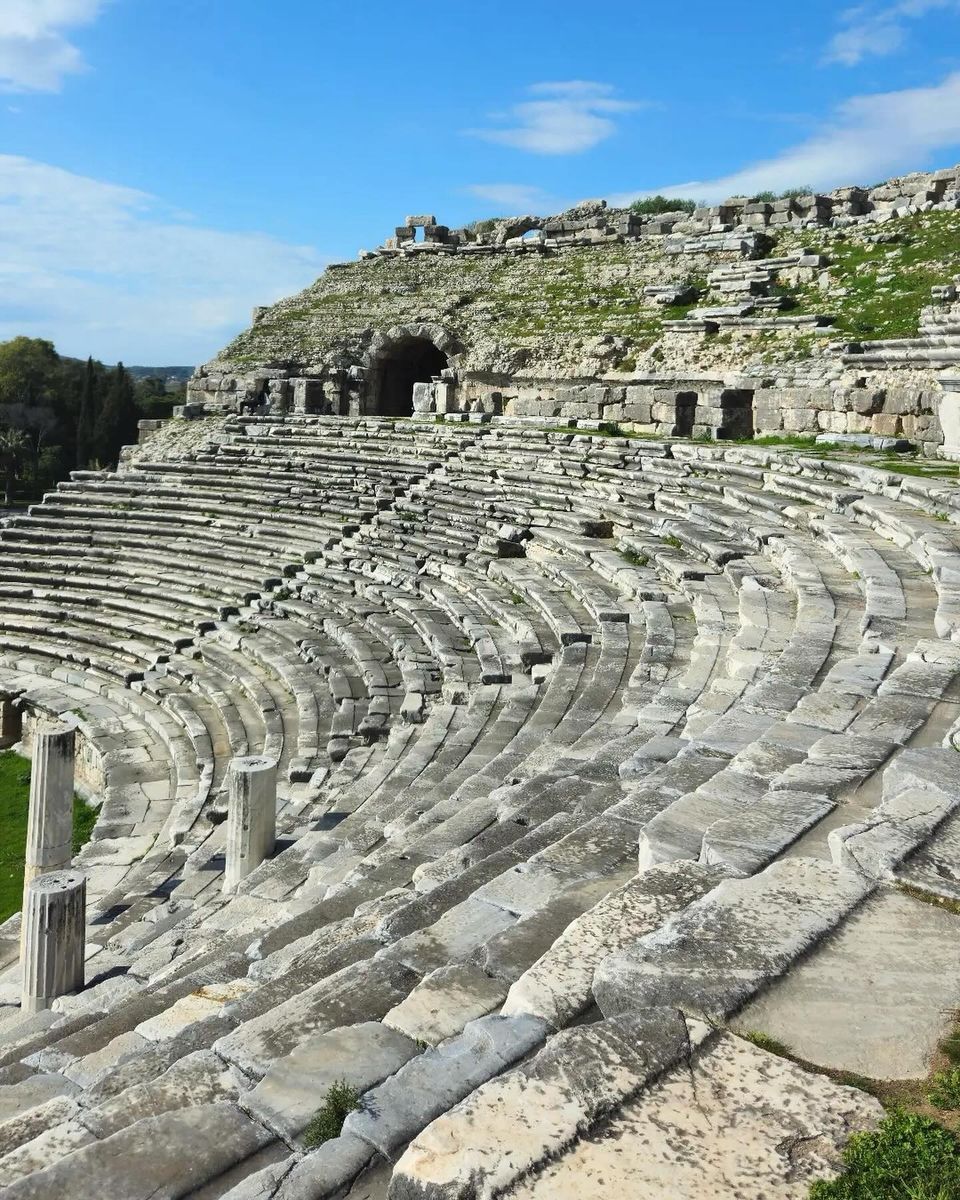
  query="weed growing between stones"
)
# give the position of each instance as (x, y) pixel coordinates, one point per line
(908, 1157)
(763, 1041)
(634, 558)
(925, 897)
(327, 1122)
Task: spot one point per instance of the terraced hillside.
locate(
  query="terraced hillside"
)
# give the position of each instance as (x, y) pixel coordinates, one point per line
(596, 755)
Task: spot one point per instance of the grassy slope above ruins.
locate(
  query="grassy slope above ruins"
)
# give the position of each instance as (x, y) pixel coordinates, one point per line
(584, 309)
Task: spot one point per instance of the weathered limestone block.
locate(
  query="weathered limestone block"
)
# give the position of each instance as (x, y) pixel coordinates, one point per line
(558, 987)
(251, 817)
(538, 1108)
(422, 397)
(719, 951)
(921, 788)
(445, 1001)
(54, 921)
(736, 1122)
(293, 1089)
(163, 1156)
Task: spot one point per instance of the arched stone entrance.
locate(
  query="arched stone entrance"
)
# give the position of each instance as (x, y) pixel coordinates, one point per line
(413, 360)
(401, 358)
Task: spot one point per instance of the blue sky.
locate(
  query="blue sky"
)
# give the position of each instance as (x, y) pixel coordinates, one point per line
(167, 164)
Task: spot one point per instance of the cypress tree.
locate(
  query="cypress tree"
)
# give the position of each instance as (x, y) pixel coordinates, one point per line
(116, 424)
(87, 415)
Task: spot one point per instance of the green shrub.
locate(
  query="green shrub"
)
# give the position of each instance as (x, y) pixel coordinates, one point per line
(906, 1158)
(945, 1089)
(651, 206)
(327, 1122)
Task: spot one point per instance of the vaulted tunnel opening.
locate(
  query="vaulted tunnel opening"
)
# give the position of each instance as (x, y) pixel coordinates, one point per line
(413, 360)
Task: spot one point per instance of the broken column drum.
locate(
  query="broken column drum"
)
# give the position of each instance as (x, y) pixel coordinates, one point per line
(54, 917)
(50, 823)
(251, 817)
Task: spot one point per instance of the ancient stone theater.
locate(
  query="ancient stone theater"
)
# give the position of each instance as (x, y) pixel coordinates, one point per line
(519, 690)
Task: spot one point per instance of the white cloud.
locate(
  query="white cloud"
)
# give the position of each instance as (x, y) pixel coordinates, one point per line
(868, 138)
(512, 198)
(110, 271)
(35, 56)
(871, 31)
(563, 118)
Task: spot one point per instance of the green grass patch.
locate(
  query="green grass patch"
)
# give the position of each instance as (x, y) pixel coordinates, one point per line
(634, 558)
(14, 806)
(327, 1122)
(908, 1157)
(945, 1089)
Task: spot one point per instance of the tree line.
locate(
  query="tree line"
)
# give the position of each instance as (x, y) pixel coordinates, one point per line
(58, 414)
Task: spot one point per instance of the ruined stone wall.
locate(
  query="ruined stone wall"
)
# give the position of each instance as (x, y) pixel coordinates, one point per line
(603, 314)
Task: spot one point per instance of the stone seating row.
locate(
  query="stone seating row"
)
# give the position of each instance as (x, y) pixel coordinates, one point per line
(421, 892)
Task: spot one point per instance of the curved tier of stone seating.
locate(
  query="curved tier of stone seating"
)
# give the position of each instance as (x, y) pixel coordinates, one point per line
(585, 742)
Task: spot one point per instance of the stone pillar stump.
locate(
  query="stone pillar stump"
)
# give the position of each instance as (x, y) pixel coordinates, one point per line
(54, 925)
(251, 816)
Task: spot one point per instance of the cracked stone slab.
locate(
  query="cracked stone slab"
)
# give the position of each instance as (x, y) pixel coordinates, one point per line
(559, 985)
(753, 837)
(433, 1082)
(739, 1124)
(519, 1120)
(295, 1086)
(196, 1079)
(921, 788)
(716, 954)
(445, 1001)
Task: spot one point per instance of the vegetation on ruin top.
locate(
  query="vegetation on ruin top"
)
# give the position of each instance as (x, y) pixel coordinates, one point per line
(879, 289)
(554, 309)
(14, 802)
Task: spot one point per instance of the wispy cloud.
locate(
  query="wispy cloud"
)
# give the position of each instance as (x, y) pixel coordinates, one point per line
(35, 54)
(111, 271)
(560, 118)
(873, 31)
(513, 197)
(868, 138)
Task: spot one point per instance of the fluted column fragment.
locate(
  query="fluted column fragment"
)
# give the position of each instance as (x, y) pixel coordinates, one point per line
(251, 816)
(54, 923)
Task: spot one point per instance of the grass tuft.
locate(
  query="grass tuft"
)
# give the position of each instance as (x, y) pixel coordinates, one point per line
(327, 1122)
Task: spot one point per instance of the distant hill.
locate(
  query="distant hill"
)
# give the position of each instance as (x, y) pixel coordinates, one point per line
(180, 373)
